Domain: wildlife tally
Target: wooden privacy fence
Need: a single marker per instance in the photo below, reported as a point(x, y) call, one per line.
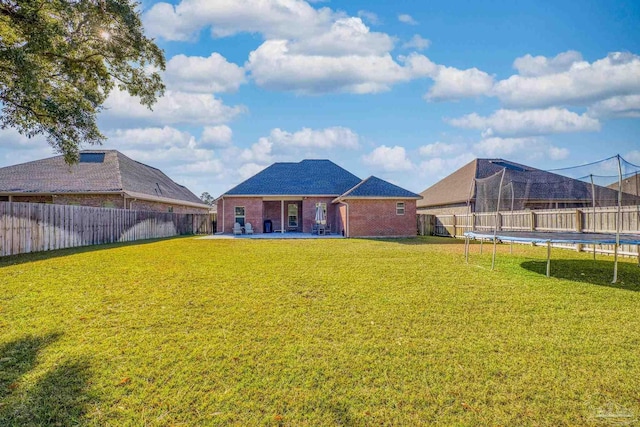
point(32, 227)
point(586, 220)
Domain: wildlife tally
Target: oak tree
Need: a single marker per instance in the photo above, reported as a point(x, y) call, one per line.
point(59, 60)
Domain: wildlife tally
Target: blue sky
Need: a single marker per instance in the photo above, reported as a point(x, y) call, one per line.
point(408, 90)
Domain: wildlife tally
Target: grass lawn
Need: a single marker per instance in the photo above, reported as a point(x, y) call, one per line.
point(317, 332)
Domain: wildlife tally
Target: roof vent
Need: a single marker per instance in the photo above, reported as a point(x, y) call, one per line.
point(91, 157)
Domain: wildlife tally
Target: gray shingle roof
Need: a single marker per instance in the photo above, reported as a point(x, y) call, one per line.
point(376, 187)
point(454, 188)
point(116, 173)
point(537, 184)
point(308, 177)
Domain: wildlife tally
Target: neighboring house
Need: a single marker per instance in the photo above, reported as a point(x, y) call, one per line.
point(524, 187)
point(630, 184)
point(288, 196)
point(102, 178)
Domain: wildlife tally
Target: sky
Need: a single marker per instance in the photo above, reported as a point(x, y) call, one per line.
point(407, 91)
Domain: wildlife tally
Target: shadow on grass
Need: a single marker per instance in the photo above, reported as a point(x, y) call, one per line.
point(59, 398)
point(45, 255)
point(588, 271)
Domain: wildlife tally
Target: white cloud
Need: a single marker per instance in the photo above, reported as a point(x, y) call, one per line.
point(557, 153)
point(324, 139)
point(583, 83)
point(174, 151)
point(388, 159)
point(348, 36)
point(439, 167)
point(407, 19)
point(273, 19)
point(173, 108)
point(369, 17)
point(16, 148)
point(498, 147)
point(275, 67)
point(260, 152)
point(528, 148)
point(417, 42)
point(438, 149)
point(452, 84)
point(533, 66)
point(154, 138)
point(216, 136)
point(528, 122)
point(11, 137)
point(248, 170)
point(205, 75)
point(618, 106)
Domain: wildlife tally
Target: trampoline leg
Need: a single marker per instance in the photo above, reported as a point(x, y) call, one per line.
point(549, 259)
point(615, 264)
point(493, 258)
point(511, 248)
point(481, 240)
point(638, 248)
point(466, 250)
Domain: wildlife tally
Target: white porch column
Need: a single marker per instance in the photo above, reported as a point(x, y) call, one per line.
point(281, 216)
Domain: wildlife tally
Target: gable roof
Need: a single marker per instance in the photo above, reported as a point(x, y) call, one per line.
point(308, 177)
point(110, 173)
point(374, 187)
point(453, 189)
point(540, 185)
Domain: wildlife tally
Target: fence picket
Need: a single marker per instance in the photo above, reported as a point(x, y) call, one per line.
point(34, 227)
point(602, 220)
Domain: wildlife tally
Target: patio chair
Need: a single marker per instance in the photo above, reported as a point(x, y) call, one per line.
point(237, 228)
point(248, 228)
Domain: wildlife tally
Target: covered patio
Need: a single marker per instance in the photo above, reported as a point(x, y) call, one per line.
point(293, 235)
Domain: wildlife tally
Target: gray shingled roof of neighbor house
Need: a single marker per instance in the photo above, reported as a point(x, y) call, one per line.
point(540, 185)
point(376, 187)
point(99, 171)
point(306, 178)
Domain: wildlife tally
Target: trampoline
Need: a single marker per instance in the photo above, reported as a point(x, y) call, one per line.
point(501, 186)
point(550, 238)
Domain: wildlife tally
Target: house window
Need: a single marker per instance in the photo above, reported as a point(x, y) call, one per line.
point(108, 204)
point(321, 213)
point(293, 215)
point(239, 215)
point(4, 198)
point(170, 208)
point(400, 208)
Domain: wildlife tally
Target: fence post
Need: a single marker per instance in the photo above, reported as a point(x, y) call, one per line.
point(533, 221)
point(455, 234)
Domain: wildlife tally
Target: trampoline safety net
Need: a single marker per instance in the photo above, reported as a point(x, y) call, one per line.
point(503, 187)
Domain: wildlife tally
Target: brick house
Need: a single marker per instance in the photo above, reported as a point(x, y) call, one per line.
point(102, 178)
point(288, 196)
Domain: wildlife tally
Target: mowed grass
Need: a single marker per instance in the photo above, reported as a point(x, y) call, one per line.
point(315, 333)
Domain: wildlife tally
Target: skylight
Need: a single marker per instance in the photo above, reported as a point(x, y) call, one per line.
point(91, 157)
point(508, 165)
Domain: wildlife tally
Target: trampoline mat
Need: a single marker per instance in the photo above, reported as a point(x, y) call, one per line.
point(556, 237)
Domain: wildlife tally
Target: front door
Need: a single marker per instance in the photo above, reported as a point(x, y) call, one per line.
point(292, 217)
